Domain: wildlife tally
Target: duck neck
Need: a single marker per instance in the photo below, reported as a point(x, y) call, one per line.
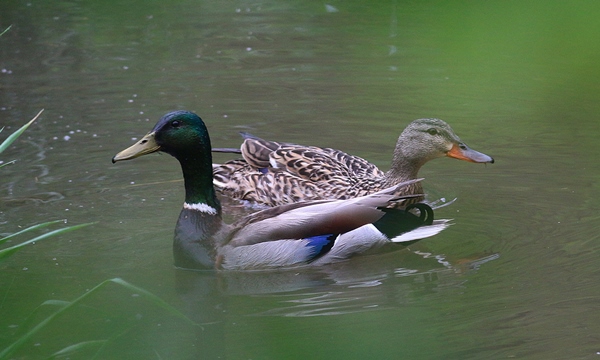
point(199, 190)
point(405, 166)
point(200, 219)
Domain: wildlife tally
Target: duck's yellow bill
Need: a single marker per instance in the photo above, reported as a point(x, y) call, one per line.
point(145, 146)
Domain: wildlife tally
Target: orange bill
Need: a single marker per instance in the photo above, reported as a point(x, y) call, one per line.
point(461, 151)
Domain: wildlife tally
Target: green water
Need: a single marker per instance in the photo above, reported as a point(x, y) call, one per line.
point(515, 277)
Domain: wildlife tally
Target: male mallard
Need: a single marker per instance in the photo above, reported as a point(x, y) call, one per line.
point(316, 232)
point(274, 173)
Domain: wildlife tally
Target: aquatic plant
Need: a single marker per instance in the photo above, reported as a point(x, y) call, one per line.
point(5, 30)
point(5, 253)
point(97, 345)
point(93, 345)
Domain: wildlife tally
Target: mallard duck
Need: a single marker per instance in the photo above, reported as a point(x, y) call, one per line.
point(275, 173)
point(312, 232)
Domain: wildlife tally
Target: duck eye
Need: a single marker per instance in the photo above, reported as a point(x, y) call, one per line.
point(175, 124)
point(432, 131)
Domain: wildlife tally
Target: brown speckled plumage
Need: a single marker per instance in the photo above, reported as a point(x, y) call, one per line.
point(274, 173)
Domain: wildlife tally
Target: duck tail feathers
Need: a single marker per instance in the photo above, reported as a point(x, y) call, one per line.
point(422, 232)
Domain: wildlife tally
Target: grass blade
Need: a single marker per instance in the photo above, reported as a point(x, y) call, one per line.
point(7, 352)
point(56, 302)
point(8, 163)
point(9, 140)
point(5, 30)
point(5, 253)
point(70, 350)
point(154, 299)
point(34, 227)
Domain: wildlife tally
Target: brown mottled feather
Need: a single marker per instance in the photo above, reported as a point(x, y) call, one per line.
point(274, 173)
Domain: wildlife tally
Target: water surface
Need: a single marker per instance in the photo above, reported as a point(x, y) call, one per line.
point(515, 277)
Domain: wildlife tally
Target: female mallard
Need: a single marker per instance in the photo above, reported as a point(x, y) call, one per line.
point(274, 173)
point(317, 232)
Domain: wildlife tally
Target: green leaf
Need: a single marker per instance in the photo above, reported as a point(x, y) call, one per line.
point(5, 253)
point(9, 140)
